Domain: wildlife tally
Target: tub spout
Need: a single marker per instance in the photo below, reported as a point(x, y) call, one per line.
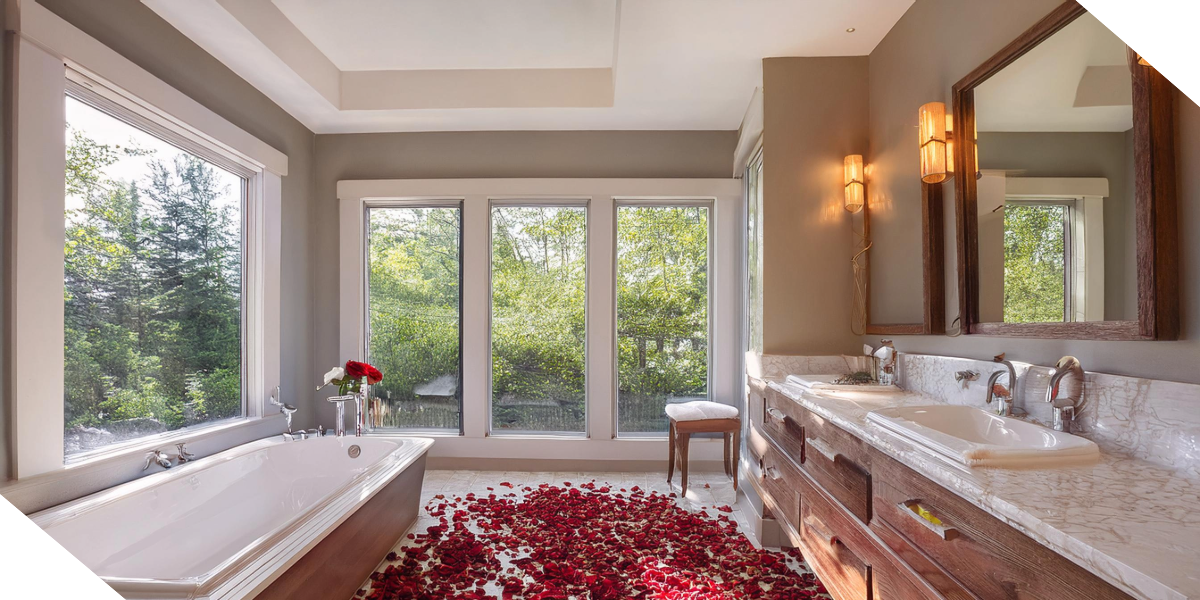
point(157, 456)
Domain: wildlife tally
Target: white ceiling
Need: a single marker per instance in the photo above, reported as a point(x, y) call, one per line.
point(1078, 80)
point(461, 65)
point(371, 35)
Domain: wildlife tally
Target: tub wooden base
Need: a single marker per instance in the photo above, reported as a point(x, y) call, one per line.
point(336, 567)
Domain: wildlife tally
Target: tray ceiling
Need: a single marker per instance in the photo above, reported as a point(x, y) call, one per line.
point(462, 65)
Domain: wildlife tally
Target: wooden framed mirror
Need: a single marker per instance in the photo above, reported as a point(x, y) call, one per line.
point(933, 269)
point(1066, 207)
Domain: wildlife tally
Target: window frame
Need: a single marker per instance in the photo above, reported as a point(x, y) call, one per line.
point(105, 100)
point(752, 280)
point(1084, 198)
point(476, 444)
point(50, 56)
point(365, 310)
point(710, 205)
point(1069, 217)
point(519, 201)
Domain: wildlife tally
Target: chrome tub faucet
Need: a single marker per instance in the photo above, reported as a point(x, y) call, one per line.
point(157, 456)
point(1064, 406)
point(286, 409)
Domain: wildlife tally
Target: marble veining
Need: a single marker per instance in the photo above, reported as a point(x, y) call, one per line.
point(1151, 420)
point(1130, 521)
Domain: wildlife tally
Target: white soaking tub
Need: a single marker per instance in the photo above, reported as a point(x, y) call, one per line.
point(232, 525)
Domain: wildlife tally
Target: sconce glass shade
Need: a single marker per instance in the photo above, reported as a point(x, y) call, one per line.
point(932, 131)
point(854, 183)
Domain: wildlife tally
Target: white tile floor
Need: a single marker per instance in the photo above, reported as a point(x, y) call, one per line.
point(706, 491)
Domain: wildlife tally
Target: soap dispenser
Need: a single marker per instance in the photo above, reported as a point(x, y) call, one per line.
point(886, 355)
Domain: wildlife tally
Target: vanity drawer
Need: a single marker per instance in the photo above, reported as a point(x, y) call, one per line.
point(844, 573)
point(781, 482)
point(986, 556)
point(783, 421)
point(756, 443)
point(839, 462)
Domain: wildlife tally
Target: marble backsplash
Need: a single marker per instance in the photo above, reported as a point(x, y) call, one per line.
point(1153, 420)
point(777, 366)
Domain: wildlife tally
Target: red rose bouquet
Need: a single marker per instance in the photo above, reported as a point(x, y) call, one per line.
point(352, 377)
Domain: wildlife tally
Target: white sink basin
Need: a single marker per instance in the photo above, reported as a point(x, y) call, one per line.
point(969, 437)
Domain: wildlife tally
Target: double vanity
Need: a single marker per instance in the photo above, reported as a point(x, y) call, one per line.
point(893, 495)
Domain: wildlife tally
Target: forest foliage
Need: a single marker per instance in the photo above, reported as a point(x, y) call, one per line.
point(538, 314)
point(1034, 263)
point(152, 293)
point(153, 303)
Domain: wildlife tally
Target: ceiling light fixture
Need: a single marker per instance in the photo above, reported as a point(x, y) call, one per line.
point(850, 30)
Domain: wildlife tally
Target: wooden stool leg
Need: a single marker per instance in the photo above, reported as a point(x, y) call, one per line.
point(737, 457)
point(725, 460)
point(684, 439)
point(671, 453)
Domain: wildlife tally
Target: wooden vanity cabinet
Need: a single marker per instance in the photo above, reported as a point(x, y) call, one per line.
point(839, 461)
point(781, 481)
point(783, 420)
point(872, 528)
point(967, 548)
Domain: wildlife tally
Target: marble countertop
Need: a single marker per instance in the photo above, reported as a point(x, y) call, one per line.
point(1131, 522)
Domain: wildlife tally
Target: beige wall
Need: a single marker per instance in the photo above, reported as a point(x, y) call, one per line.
point(915, 64)
point(491, 154)
point(133, 30)
point(815, 113)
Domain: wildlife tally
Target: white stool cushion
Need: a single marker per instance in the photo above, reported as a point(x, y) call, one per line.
point(701, 410)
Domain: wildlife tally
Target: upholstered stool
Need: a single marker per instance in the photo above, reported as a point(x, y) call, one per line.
point(703, 417)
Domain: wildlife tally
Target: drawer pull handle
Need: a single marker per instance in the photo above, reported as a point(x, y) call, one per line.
point(914, 510)
point(773, 473)
point(816, 527)
point(776, 414)
point(822, 448)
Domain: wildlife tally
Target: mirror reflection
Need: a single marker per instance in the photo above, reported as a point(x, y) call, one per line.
point(1056, 183)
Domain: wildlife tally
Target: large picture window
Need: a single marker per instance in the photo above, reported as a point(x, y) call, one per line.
point(414, 256)
point(662, 311)
point(539, 299)
point(153, 284)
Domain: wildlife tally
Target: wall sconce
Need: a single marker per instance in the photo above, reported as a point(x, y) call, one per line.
point(854, 180)
point(855, 194)
point(935, 140)
point(935, 131)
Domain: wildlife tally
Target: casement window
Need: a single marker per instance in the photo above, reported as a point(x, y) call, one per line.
point(144, 253)
point(754, 211)
point(414, 314)
point(539, 318)
point(153, 280)
point(663, 325)
point(1054, 263)
point(585, 307)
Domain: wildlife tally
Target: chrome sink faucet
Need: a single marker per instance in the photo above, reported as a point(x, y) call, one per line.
point(1004, 396)
point(1064, 407)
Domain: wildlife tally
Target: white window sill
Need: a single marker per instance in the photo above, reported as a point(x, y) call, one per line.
point(162, 441)
point(106, 467)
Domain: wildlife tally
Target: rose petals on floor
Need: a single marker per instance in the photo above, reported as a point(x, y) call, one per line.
point(583, 541)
